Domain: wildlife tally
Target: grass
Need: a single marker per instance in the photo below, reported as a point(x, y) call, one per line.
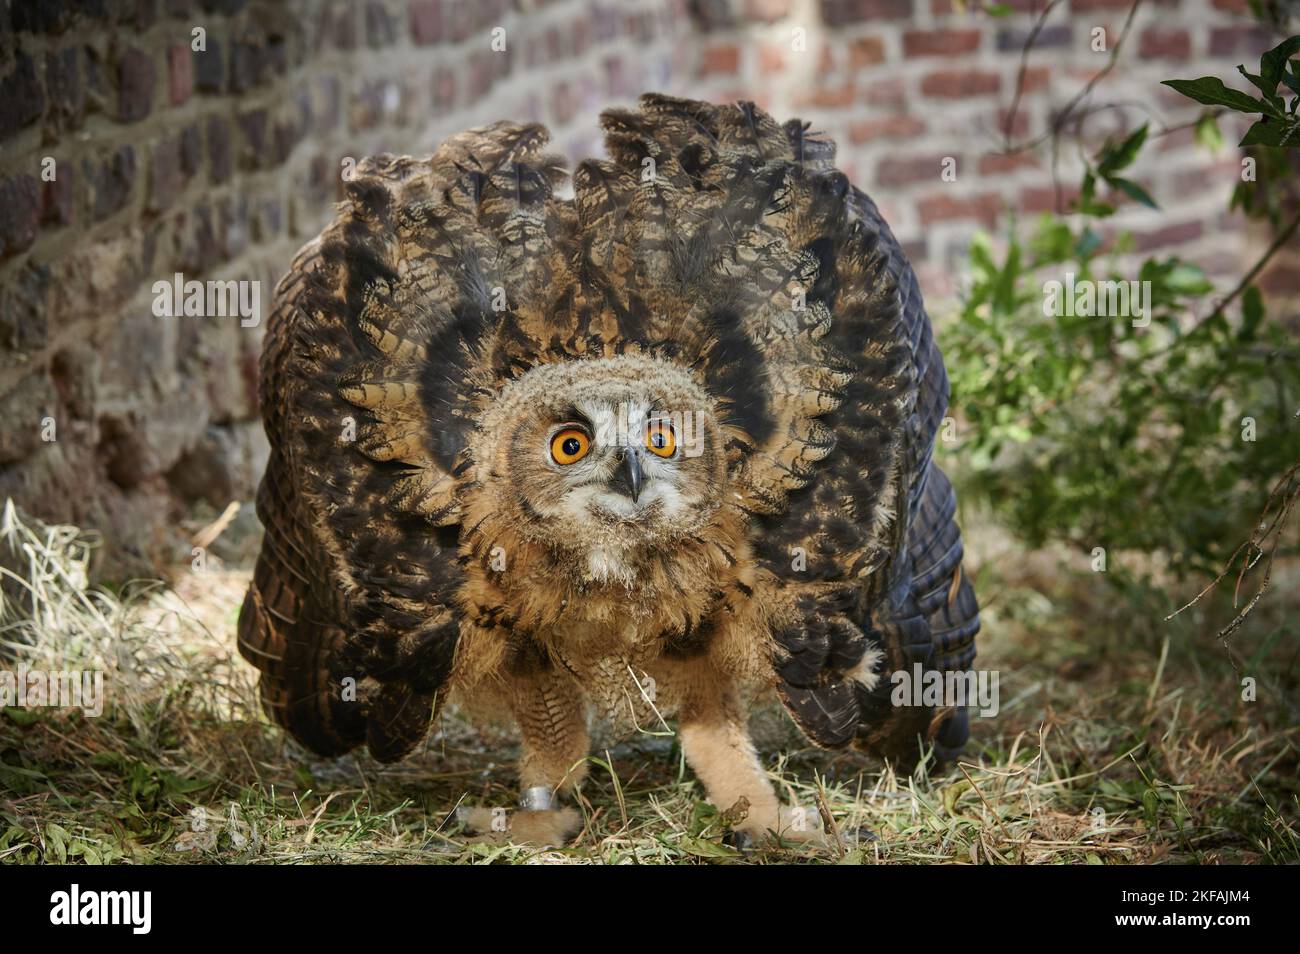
point(1121, 739)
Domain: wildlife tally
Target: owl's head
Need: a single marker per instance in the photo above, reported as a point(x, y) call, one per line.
point(604, 459)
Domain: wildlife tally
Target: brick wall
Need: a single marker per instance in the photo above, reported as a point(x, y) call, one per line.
point(902, 84)
point(218, 163)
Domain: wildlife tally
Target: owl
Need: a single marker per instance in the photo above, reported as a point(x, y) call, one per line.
point(649, 441)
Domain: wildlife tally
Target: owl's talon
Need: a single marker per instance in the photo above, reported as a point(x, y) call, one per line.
point(741, 840)
point(543, 828)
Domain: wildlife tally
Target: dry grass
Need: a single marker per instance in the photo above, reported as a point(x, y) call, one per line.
point(1121, 739)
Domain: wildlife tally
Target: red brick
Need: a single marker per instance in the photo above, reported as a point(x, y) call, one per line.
point(840, 12)
point(767, 11)
point(1169, 235)
point(901, 170)
point(940, 42)
point(960, 84)
point(180, 73)
point(887, 92)
point(1165, 44)
point(983, 208)
point(828, 97)
point(20, 213)
point(426, 22)
point(722, 58)
point(866, 51)
point(1037, 78)
point(890, 127)
point(1239, 41)
point(135, 84)
point(1014, 126)
point(771, 58)
point(1001, 163)
point(1043, 199)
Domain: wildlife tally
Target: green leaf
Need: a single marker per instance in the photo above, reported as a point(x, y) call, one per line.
point(1208, 134)
point(1133, 191)
point(702, 848)
point(1210, 91)
point(1273, 63)
point(1271, 132)
point(998, 9)
point(1258, 82)
point(1122, 156)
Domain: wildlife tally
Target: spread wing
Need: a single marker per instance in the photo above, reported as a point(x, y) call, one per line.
point(755, 246)
point(381, 331)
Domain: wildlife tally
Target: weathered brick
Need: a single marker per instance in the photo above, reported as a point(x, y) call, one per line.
point(1001, 163)
point(889, 127)
point(1240, 41)
point(1157, 43)
point(887, 92)
point(1012, 124)
point(345, 29)
point(59, 196)
point(24, 308)
point(1034, 199)
point(191, 149)
point(63, 82)
point(20, 213)
point(380, 29)
point(1177, 234)
point(940, 42)
point(51, 16)
point(1013, 39)
point(771, 58)
point(842, 12)
point(866, 51)
point(720, 58)
point(960, 83)
point(767, 11)
point(254, 127)
point(904, 170)
point(166, 177)
point(135, 85)
point(180, 73)
point(1036, 79)
point(839, 96)
point(21, 98)
point(943, 207)
point(220, 161)
point(426, 21)
point(328, 109)
point(112, 181)
point(209, 67)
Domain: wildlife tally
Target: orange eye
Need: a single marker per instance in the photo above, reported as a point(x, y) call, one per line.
point(660, 439)
point(569, 446)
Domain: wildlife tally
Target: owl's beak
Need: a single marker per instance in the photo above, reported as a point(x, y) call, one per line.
point(628, 476)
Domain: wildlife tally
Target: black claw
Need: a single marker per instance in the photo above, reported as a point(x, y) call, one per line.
point(742, 841)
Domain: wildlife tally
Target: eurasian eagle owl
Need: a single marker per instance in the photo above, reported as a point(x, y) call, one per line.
point(657, 450)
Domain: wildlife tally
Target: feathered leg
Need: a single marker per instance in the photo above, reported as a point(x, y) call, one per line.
point(551, 712)
point(715, 739)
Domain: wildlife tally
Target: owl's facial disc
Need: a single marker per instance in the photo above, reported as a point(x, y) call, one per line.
point(611, 455)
